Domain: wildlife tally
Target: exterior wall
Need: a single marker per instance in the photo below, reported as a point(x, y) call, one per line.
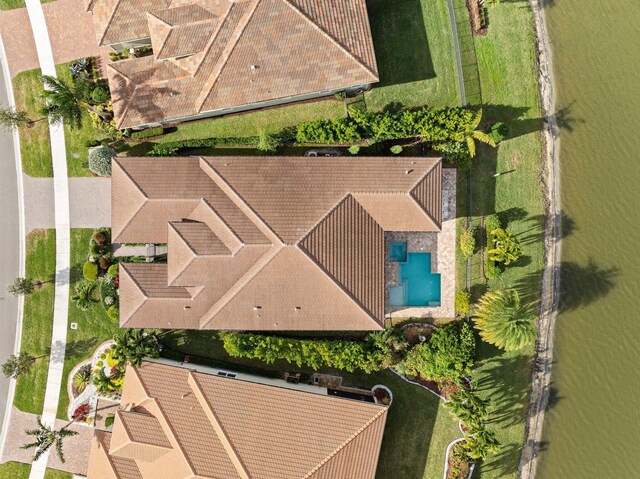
point(143, 42)
point(254, 106)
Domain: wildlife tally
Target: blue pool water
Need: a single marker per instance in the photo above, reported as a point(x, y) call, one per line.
point(417, 285)
point(398, 252)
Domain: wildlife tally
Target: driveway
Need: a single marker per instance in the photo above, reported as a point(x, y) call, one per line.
point(9, 247)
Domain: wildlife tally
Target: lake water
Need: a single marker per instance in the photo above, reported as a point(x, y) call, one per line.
point(592, 429)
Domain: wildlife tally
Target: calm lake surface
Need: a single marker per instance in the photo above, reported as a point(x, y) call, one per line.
point(592, 429)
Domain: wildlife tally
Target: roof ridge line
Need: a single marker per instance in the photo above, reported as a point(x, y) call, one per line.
point(324, 270)
point(263, 225)
point(108, 451)
point(217, 426)
point(120, 412)
point(243, 281)
point(345, 443)
point(330, 37)
point(244, 21)
point(233, 232)
point(412, 195)
point(113, 13)
point(166, 38)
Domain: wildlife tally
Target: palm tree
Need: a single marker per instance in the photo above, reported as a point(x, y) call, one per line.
point(504, 321)
point(21, 286)
point(506, 247)
point(107, 384)
point(84, 295)
point(473, 134)
point(11, 118)
point(47, 437)
point(479, 443)
point(16, 366)
point(133, 345)
point(65, 101)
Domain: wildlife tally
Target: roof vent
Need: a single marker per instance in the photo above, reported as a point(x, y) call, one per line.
point(254, 67)
point(257, 308)
point(407, 172)
point(186, 306)
point(297, 308)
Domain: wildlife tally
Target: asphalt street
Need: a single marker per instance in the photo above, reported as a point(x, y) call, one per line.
point(9, 247)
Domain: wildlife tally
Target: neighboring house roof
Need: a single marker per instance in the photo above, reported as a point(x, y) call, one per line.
point(218, 54)
point(176, 423)
point(287, 243)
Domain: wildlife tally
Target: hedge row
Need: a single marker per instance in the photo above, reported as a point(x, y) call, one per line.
point(340, 354)
point(147, 133)
point(173, 148)
point(432, 124)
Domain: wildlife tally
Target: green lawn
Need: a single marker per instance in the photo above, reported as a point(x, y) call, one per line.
point(94, 326)
point(414, 52)
point(76, 139)
point(38, 320)
point(17, 470)
point(35, 146)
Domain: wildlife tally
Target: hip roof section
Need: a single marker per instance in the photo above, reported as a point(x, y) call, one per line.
point(287, 243)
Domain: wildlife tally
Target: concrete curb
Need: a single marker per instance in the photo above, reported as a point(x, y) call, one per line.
point(22, 247)
point(446, 459)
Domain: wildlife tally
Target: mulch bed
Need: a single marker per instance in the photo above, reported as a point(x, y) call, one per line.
point(475, 17)
point(414, 331)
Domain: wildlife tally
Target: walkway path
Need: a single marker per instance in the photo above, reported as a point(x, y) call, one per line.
point(89, 202)
point(62, 217)
point(541, 376)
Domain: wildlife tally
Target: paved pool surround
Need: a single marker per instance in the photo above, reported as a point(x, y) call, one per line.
point(442, 247)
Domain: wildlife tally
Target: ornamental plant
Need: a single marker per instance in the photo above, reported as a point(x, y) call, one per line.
point(467, 243)
point(100, 160)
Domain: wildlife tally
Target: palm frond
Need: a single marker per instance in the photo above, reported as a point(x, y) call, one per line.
point(483, 137)
point(471, 145)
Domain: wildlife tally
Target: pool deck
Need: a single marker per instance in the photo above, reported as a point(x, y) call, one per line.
point(442, 247)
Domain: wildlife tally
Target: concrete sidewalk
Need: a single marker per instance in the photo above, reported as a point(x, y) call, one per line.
point(63, 237)
point(89, 202)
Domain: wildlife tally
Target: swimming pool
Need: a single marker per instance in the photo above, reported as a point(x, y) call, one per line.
point(417, 284)
point(398, 251)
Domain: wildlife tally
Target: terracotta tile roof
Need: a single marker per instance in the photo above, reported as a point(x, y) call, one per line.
point(222, 428)
point(212, 55)
point(287, 243)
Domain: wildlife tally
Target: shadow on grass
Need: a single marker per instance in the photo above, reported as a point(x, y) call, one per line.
point(400, 42)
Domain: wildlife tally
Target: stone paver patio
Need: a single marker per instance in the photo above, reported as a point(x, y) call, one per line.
point(76, 448)
point(442, 247)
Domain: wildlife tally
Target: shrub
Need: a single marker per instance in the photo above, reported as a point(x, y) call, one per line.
point(103, 356)
point(493, 271)
point(108, 421)
point(341, 130)
point(103, 262)
point(114, 313)
point(463, 302)
point(147, 133)
point(91, 143)
point(354, 149)
point(498, 132)
point(81, 379)
point(81, 412)
point(100, 160)
point(339, 354)
point(113, 269)
point(467, 243)
point(396, 149)
point(447, 356)
point(99, 95)
point(267, 143)
point(491, 222)
point(90, 271)
point(455, 153)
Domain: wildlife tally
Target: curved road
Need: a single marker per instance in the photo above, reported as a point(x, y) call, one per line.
point(9, 246)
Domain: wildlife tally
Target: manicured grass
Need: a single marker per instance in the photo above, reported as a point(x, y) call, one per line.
point(94, 326)
point(249, 124)
point(14, 470)
point(414, 52)
point(35, 146)
point(38, 320)
point(10, 5)
point(76, 139)
point(412, 430)
point(18, 470)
